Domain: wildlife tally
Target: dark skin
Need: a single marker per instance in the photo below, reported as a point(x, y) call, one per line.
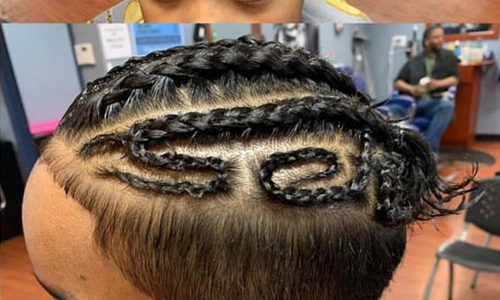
point(433, 44)
point(220, 11)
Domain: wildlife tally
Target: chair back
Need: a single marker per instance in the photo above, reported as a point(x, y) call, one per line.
point(486, 213)
point(359, 82)
point(450, 94)
point(403, 106)
point(385, 111)
point(404, 100)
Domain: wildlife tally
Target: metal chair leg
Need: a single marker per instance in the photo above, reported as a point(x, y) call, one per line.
point(428, 288)
point(450, 283)
point(476, 275)
point(474, 280)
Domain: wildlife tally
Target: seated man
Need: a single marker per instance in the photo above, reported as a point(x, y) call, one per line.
point(426, 77)
point(221, 171)
point(242, 11)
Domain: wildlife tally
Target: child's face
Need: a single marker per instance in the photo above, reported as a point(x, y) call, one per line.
point(217, 11)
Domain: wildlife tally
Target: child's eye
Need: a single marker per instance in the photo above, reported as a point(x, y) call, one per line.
point(169, 1)
point(253, 2)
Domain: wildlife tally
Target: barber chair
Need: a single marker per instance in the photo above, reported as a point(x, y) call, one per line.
point(400, 102)
point(485, 216)
point(359, 82)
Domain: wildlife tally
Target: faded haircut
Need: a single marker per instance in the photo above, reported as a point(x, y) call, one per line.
point(245, 170)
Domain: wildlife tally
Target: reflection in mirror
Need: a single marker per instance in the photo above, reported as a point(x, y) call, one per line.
point(469, 31)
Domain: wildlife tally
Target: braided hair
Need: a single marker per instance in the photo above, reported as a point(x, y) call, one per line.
point(151, 127)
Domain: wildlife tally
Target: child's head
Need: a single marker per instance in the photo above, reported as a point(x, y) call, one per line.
point(228, 170)
point(213, 11)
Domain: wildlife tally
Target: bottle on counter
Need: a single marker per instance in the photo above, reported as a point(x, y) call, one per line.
point(457, 49)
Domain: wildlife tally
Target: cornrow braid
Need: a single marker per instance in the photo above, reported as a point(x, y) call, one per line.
point(271, 116)
point(184, 65)
point(296, 196)
point(168, 187)
point(245, 55)
point(286, 116)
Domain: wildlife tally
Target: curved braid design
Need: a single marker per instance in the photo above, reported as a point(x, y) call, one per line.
point(281, 115)
point(401, 199)
point(302, 196)
point(296, 196)
point(178, 162)
point(195, 190)
point(173, 161)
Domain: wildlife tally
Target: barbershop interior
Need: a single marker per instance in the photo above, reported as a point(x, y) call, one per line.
point(44, 67)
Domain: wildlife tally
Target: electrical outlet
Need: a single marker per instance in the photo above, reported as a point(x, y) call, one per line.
point(399, 41)
point(84, 54)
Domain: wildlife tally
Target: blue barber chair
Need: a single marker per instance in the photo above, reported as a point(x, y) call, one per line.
point(359, 82)
point(401, 106)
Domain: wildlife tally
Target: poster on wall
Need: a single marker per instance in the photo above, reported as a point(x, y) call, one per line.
point(147, 38)
point(115, 41)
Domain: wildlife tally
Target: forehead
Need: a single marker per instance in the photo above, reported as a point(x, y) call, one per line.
point(436, 32)
point(59, 241)
point(57, 232)
point(53, 224)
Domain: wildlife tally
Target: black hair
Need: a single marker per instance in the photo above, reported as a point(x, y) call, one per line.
point(341, 239)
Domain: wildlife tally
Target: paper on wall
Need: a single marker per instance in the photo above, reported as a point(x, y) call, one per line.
point(115, 41)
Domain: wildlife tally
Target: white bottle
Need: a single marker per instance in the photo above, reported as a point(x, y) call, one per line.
point(465, 53)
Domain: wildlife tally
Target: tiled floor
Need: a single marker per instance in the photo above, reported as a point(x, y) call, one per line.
point(408, 284)
point(410, 279)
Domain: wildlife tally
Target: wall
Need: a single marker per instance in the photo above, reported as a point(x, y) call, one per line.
point(84, 33)
point(44, 67)
point(13, 121)
point(488, 122)
point(232, 31)
point(337, 47)
point(378, 46)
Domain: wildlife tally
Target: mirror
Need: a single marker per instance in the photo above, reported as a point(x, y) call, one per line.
point(469, 31)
